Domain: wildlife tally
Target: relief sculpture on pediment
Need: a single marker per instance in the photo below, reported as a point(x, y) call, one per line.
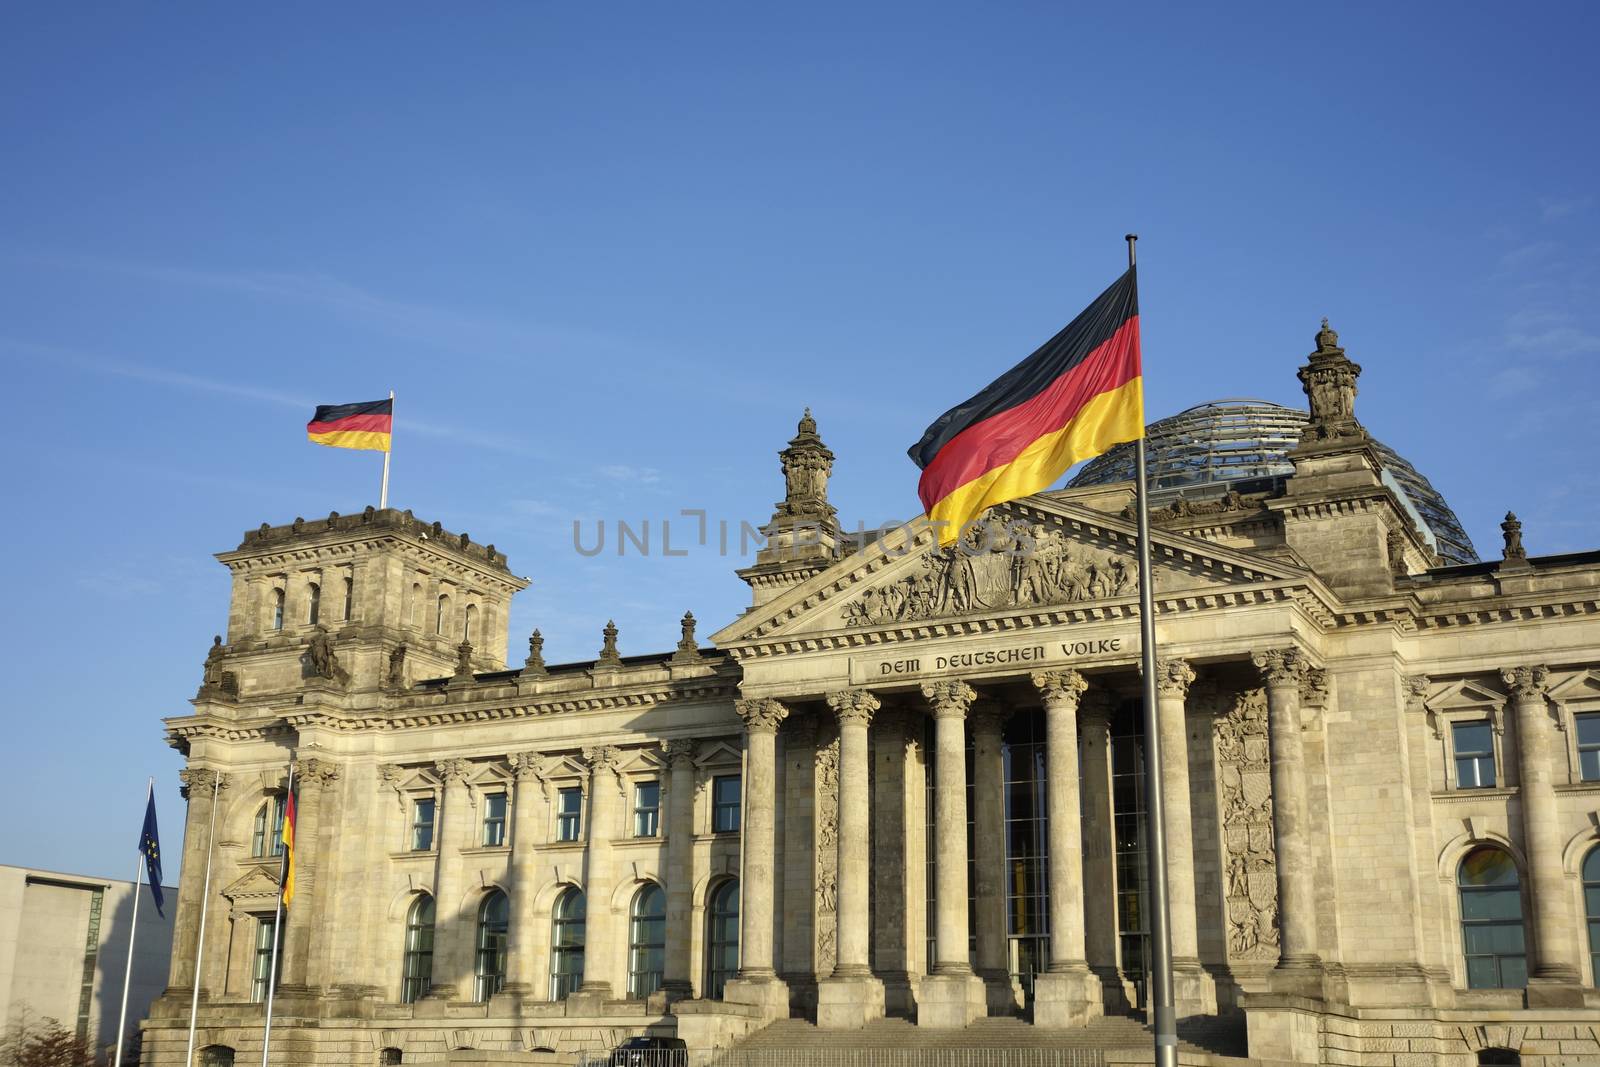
point(1244, 779)
point(995, 568)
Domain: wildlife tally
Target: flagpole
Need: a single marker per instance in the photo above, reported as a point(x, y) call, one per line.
point(205, 904)
point(277, 915)
point(1161, 1001)
point(133, 927)
point(383, 493)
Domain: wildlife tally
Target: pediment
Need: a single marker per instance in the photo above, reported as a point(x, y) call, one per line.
point(1037, 555)
point(1466, 694)
point(254, 886)
point(1581, 687)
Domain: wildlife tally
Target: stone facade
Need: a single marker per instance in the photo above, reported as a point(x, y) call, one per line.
point(1362, 751)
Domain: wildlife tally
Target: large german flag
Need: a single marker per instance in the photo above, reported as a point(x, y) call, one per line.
point(366, 425)
point(1078, 395)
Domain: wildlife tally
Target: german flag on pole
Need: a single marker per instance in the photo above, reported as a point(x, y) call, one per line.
point(1078, 395)
point(288, 848)
point(365, 426)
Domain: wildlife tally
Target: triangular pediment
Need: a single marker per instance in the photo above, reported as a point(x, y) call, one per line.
point(1038, 555)
point(259, 884)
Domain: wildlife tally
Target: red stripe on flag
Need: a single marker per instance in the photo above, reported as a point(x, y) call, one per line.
point(369, 423)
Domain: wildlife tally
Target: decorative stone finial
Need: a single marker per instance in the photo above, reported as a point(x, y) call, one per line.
point(1512, 529)
point(1329, 381)
point(808, 425)
point(1395, 541)
point(608, 650)
point(807, 464)
point(396, 678)
point(463, 663)
point(688, 647)
point(1327, 338)
point(535, 661)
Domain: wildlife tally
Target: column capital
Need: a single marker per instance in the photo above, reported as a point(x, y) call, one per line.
point(1417, 686)
point(202, 779)
point(451, 771)
point(1526, 683)
point(951, 698)
point(316, 771)
point(853, 705)
point(679, 750)
point(1060, 688)
point(761, 715)
point(527, 765)
point(1173, 677)
point(603, 758)
point(1280, 667)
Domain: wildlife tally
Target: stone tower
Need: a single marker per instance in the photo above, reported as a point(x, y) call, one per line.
point(803, 533)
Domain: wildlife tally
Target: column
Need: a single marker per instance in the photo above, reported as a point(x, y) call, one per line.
point(527, 807)
point(1099, 855)
point(201, 787)
point(1281, 669)
point(758, 981)
point(679, 754)
point(1068, 993)
point(852, 996)
point(894, 882)
point(1555, 935)
point(989, 854)
point(305, 944)
point(1194, 990)
point(601, 952)
point(453, 927)
point(952, 995)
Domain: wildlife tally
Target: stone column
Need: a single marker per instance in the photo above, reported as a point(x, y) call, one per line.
point(989, 858)
point(1553, 980)
point(952, 996)
point(202, 787)
point(679, 754)
point(526, 808)
point(306, 929)
point(852, 996)
point(758, 982)
point(1068, 993)
point(1099, 854)
point(453, 926)
point(1282, 669)
point(601, 950)
point(1194, 990)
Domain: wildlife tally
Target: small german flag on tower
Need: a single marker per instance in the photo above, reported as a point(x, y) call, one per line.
point(287, 836)
point(367, 426)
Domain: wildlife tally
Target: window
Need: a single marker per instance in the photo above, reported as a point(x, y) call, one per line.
point(470, 616)
point(722, 938)
point(569, 813)
point(725, 804)
point(416, 606)
point(314, 603)
point(1499, 1057)
point(442, 614)
point(647, 941)
point(266, 926)
point(422, 824)
point(417, 969)
point(1591, 909)
point(494, 820)
point(1588, 746)
point(1474, 742)
point(1491, 920)
point(266, 837)
point(493, 922)
point(277, 609)
point(646, 809)
point(389, 1056)
point(349, 598)
point(566, 944)
point(216, 1056)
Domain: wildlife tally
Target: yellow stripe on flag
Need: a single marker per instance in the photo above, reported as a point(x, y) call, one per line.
point(371, 440)
point(288, 855)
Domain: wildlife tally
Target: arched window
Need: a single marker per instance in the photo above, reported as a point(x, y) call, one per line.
point(1491, 920)
point(722, 937)
point(647, 941)
point(470, 617)
point(442, 614)
point(566, 943)
point(216, 1056)
point(277, 609)
point(314, 604)
point(349, 598)
point(493, 922)
point(417, 971)
point(266, 836)
point(1591, 909)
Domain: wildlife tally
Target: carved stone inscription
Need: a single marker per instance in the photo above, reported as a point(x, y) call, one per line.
point(1244, 787)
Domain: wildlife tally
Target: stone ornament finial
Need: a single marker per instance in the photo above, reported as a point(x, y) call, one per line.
point(609, 657)
point(395, 678)
point(807, 465)
point(534, 664)
point(762, 714)
point(1327, 338)
point(1512, 531)
point(1280, 667)
point(1174, 676)
point(854, 706)
point(452, 771)
point(679, 750)
point(950, 699)
point(1064, 687)
point(1329, 381)
point(688, 647)
point(463, 663)
point(1526, 683)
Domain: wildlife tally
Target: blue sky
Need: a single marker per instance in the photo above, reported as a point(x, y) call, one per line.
point(605, 253)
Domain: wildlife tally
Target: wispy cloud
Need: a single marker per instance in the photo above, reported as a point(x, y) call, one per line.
point(1532, 254)
point(622, 472)
point(1554, 209)
point(1549, 333)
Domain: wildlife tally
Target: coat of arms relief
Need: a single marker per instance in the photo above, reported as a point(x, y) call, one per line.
point(1244, 780)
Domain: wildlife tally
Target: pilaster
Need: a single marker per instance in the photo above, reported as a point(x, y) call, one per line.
point(1194, 990)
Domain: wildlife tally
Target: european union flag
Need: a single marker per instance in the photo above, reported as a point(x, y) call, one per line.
point(150, 845)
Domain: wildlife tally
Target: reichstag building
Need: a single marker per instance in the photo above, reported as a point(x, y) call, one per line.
point(906, 787)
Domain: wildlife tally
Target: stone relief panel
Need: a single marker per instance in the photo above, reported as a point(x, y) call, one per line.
point(827, 856)
point(1017, 567)
point(1244, 796)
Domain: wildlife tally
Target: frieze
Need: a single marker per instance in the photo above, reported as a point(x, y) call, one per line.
point(1017, 657)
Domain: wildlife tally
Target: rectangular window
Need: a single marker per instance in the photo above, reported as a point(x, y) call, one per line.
point(569, 814)
point(646, 809)
point(1589, 750)
point(1474, 742)
point(494, 820)
point(265, 926)
point(422, 825)
point(725, 804)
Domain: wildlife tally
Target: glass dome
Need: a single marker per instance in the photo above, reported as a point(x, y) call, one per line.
point(1245, 445)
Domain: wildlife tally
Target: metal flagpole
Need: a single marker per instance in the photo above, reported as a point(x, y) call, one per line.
point(1161, 1005)
point(127, 972)
point(205, 904)
point(277, 915)
point(383, 493)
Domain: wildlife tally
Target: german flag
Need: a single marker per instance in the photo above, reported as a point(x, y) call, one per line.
point(1075, 397)
point(288, 848)
point(366, 425)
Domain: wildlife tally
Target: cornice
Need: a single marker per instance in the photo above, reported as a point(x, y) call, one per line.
point(1449, 617)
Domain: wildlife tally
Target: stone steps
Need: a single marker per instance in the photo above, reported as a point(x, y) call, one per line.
point(1220, 1036)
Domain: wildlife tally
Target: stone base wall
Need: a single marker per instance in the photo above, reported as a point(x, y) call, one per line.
point(1542, 1042)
